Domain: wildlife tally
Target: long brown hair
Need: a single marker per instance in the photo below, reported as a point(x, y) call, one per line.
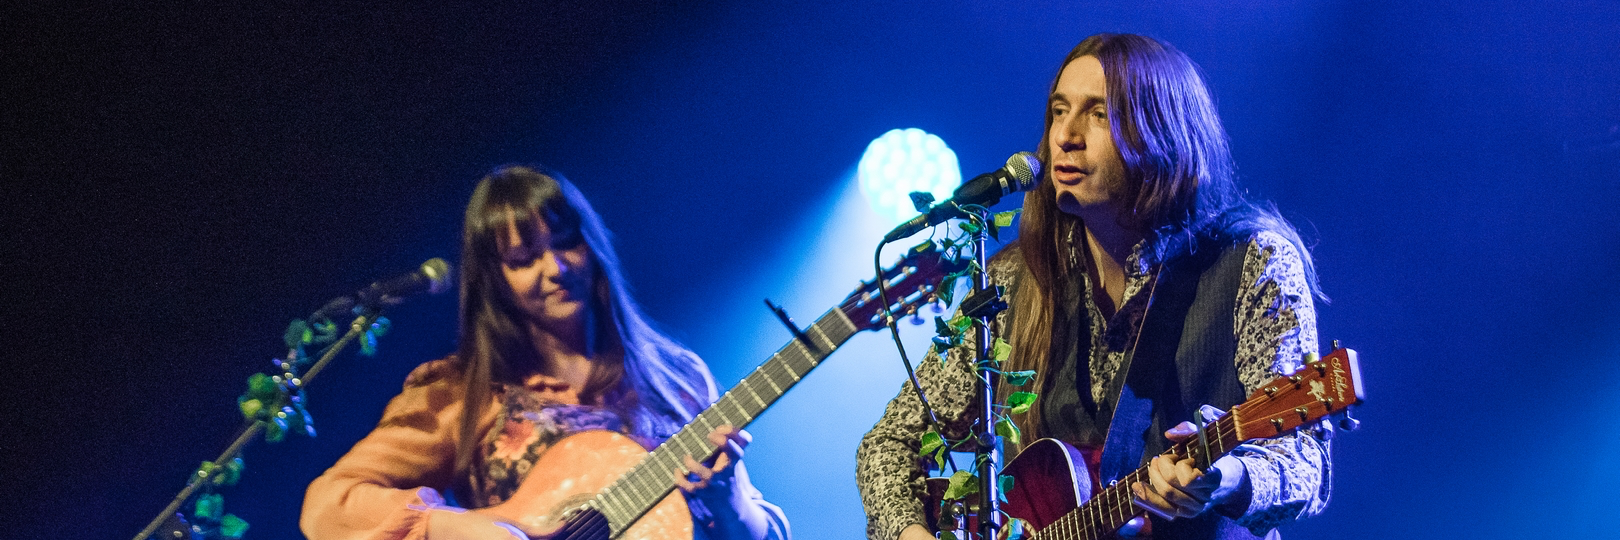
point(657, 384)
point(1179, 178)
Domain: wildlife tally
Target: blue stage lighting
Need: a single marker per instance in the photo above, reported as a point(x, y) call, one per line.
point(902, 161)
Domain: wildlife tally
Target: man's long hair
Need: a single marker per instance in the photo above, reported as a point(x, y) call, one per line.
point(654, 382)
point(1180, 181)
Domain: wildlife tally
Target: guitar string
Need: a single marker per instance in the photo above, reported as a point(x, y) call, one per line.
point(783, 367)
point(1094, 515)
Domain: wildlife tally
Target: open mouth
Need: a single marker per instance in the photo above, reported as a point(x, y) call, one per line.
point(1068, 174)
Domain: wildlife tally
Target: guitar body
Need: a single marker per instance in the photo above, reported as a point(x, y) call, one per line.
point(571, 472)
point(1050, 479)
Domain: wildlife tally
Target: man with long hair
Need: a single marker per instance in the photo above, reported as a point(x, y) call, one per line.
point(1138, 202)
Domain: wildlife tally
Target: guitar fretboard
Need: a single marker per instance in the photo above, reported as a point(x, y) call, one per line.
point(651, 480)
point(1113, 506)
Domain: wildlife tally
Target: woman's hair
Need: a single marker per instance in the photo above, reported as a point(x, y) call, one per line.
point(1179, 178)
point(654, 382)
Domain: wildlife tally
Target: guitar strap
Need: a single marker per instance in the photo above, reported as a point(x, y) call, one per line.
point(1146, 377)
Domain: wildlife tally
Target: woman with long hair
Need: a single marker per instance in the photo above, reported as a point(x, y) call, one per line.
point(551, 345)
point(1138, 206)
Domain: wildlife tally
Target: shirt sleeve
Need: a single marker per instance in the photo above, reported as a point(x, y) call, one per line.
point(1275, 326)
point(888, 469)
point(385, 486)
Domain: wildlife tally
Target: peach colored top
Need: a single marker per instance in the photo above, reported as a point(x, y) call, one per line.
point(375, 491)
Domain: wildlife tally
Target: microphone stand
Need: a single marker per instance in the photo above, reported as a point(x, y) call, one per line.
point(982, 305)
point(291, 383)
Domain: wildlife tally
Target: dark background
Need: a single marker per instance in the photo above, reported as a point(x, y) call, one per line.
point(181, 180)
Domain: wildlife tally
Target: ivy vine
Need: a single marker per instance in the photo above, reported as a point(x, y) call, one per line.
point(951, 333)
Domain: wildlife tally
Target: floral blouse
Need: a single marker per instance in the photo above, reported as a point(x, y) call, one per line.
point(1274, 322)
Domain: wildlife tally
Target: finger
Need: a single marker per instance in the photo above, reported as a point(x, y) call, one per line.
point(722, 461)
point(1150, 501)
point(1186, 479)
point(1182, 432)
point(741, 438)
point(721, 434)
point(683, 480)
point(1160, 473)
point(703, 473)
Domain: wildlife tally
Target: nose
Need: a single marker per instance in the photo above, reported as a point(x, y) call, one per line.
point(552, 266)
point(1070, 136)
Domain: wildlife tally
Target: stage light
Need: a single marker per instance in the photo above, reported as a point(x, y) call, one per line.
point(900, 162)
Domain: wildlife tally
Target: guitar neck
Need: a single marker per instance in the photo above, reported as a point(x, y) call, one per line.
point(649, 481)
point(1109, 509)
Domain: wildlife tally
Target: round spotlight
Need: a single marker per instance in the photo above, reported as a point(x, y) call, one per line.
point(902, 161)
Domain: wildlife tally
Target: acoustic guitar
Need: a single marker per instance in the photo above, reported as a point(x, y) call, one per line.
point(603, 485)
point(1056, 491)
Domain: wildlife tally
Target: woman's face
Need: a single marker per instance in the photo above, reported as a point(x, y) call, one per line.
point(551, 276)
point(1086, 169)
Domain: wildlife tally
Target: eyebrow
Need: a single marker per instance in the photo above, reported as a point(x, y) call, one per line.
point(1086, 100)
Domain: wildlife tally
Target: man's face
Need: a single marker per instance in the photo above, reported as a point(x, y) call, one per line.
point(1086, 169)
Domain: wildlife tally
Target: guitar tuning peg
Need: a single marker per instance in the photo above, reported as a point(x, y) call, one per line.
point(1347, 422)
point(916, 318)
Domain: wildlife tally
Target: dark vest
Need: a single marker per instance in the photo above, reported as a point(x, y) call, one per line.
point(1183, 359)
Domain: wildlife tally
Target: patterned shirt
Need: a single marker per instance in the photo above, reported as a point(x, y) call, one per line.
point(1274, 325)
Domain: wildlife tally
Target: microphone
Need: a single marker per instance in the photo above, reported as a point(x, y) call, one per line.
point(1020, 174)
point(432, 277)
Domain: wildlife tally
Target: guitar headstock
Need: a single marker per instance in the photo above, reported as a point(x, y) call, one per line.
point(912, 283)
point(1323, 387)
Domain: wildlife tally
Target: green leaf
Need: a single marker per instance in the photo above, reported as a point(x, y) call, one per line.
point(947, 535)
point(1005, 485)
point(275, 430)
point(1014, 529)
point(969, 227)
point(961, 324)
point(261, 386)
point(947, 289)
point(942, 328)
point(1020, 402)
point(963, 483)
point(232, 527)
point(250, 407)
point(1000, 350)
point(232, 473)
point(1005, 219)
point(298, 333)
point(1018, 378)
point(931, 441)
point(1005, 428)
point(205, 471)
point(208, 507)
